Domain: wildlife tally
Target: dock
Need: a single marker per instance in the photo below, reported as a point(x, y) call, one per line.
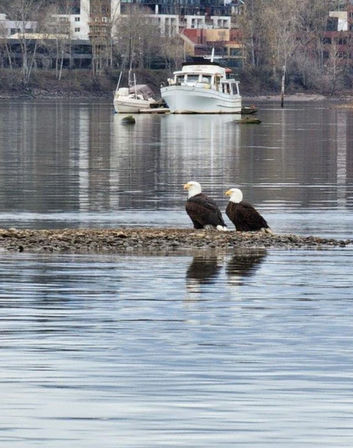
point(155, 110)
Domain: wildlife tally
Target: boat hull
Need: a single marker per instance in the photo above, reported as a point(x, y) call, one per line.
point(199, 100)
point(124, 104)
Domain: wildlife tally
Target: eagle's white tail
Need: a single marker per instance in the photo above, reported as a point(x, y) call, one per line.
point(221, 228)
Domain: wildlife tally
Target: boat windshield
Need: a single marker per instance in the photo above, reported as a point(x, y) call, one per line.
point(206, 79)
point(192, 78)
point(179, 79)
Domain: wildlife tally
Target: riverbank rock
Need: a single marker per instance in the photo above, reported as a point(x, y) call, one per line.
point(248, 120)
point(129, 119)
point(142, 240)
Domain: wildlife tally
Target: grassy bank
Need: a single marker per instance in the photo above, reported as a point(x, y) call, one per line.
point(81, 83)
point(77, 83)
point(73, 83)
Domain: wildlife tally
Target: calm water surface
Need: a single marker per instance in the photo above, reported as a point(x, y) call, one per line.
point(74, 165)
point(240, 349)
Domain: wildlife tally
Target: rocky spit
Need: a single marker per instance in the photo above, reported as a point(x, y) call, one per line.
point(144, 240)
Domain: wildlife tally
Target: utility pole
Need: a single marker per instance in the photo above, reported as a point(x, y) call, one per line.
point(282, 85)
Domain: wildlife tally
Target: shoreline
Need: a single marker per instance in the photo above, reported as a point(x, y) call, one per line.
point(297, 97)
point(147, 240)
point(344, 101)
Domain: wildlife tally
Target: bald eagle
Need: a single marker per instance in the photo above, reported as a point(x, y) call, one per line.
point(242, 214)
point(203, 211)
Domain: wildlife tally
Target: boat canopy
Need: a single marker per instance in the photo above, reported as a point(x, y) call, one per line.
point(142, 89)
point(207, 68)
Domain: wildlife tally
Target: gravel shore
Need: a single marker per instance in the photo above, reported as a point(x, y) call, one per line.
point(142, 240)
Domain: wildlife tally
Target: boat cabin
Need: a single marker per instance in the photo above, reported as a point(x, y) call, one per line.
point(207, 76)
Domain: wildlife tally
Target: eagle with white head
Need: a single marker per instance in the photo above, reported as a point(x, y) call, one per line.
point(243, 215)
point(202, 210)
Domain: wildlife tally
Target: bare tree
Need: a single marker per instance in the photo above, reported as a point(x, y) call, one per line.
point(172, 50)
point(24, 12)
point(5, 53)
point(58, 34)
point(137, 38)
point(335, 67)
point(284, 35)
point(282, 28)
point(281, 25)
point(252, 30)
point(312, 21)
point(100, 34)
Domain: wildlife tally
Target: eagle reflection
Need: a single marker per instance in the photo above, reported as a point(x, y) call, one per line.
point(244, 264)
point(203, 270)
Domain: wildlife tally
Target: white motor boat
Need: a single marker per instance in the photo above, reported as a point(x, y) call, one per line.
point(202, 87)
point(133, 99)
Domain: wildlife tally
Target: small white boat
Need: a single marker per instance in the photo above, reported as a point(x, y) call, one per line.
point(202, 87)
point(133, 99)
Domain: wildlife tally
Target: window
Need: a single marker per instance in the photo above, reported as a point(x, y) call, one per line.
point(77, 30)
point(206, 79)
point(332, 24)
point(234, 89)
point(234, 52)
point(192, 78)
point(77, 19)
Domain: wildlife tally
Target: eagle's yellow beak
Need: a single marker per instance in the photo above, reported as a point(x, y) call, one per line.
point(228, 193)
point(186, 186)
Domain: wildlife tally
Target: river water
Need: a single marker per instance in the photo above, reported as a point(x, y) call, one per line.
point(243, 349)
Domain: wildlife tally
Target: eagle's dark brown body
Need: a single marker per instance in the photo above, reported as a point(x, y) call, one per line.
point(245, 218)
point(203, 211)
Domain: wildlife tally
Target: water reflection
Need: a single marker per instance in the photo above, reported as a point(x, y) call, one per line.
point(79, 163)
point(244, 264)
point(205, 269)
point(94, 345)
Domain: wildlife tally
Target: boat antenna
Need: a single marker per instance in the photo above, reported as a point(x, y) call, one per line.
point(119, 80)
point(121, 74)
point(135, 85)
point(129, 82)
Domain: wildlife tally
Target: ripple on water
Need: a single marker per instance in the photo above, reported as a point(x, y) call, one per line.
point(177, 351)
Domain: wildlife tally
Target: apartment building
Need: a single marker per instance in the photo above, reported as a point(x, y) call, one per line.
point(90, 23)
point(9, 28)
point(169, 15)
